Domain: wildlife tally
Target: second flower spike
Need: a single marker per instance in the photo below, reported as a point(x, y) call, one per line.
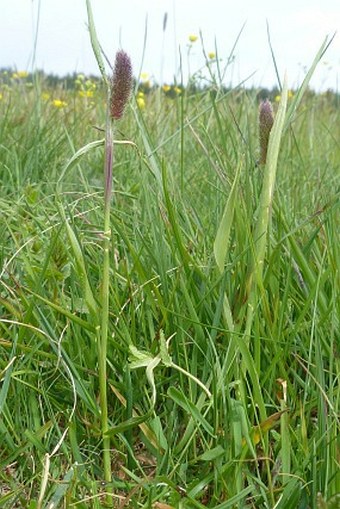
point(266, 120)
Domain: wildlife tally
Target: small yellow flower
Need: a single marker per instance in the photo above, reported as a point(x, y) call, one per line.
point(166, 88)
point(193, 38)
point(290, 94)
point(19, 75)
point(85, 93)
point(144, 76)
point(58, 103)
point(45, 96)
point(212, 55)
point(177, 90)
point(141, 103)
point(141, 94)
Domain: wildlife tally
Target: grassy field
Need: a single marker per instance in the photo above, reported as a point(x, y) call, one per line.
point(223, 334)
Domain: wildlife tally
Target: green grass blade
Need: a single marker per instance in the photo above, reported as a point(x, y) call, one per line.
point(82, 271)
point(221, 244)
point(302, 89)
point(61, 490)
point(192, 410)
point(95, 43)
point(264, 211)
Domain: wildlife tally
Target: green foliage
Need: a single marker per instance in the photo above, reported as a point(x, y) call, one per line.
point(211, 403)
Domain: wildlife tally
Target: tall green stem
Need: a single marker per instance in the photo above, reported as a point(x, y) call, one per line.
point(119, 87)
point(104, 329)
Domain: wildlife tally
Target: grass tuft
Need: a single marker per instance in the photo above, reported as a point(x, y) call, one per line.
point(222, 292)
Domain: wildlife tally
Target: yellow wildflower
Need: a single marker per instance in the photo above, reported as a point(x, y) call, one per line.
point(177, 90)
point(144, 76)
point(58, 103)
point(141, 103)
point(45, 96)
point(290, 94)
point(19, 75)
point(166, 88)
point(85, 93)
point(212, 55)
point(141, 94)
point(193, 38)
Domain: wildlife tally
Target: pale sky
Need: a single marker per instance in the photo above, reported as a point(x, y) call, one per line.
point(297, 27)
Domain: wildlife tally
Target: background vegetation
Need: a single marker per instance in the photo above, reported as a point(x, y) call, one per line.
point(200, 415)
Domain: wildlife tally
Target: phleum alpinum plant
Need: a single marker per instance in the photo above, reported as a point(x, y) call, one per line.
point(119, 87)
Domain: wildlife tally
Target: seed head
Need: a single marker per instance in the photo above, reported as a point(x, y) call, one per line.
point(266, 120)
point(121, 84)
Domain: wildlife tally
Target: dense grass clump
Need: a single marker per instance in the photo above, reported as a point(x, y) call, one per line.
point(223, 349)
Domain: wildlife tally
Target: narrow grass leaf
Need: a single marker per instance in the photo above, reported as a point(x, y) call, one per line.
point(65, 312)
point(264, 211)
point(273, 57)
point(61, 489)
point(298, 96)
point(180, 399)
point(221, 244)
point(149, 433)
point(7, 378)
point(231, 503)
point(95, 43)
point(212, 454)
point(81, 266)
point(78, 155)
point(128, 424)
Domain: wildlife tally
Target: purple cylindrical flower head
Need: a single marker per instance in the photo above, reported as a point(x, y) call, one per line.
point(121, 84)
point(266, 120)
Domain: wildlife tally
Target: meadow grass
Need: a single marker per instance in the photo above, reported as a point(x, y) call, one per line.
point(223, 349)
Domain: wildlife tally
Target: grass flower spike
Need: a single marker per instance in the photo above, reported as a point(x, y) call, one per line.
point(266, 120)
point(121, 84)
